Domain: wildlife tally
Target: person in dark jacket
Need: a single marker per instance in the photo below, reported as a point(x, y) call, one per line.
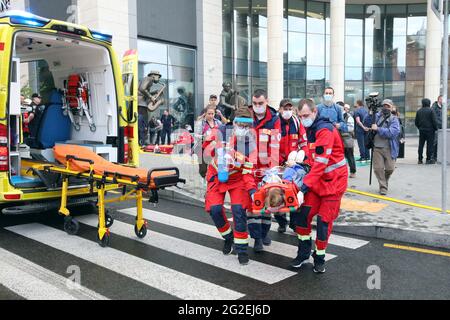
point(427, 124)
point(437, 108)
point(168, 122)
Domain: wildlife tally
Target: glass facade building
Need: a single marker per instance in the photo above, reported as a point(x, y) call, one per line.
point(177, 66)
point(384, 53)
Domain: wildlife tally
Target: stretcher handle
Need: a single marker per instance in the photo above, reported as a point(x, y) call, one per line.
point(119, 175)
point(68, 158)
point(149, 175)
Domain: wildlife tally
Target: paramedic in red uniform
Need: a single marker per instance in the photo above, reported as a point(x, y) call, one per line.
point(293, 138)
point(240, 184)
point(324, 186)
point(267, 126)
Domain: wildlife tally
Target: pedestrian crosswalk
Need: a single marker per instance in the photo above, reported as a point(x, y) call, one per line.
point(32, 281)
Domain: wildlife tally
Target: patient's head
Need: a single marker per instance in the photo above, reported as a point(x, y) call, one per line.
point(274, 198)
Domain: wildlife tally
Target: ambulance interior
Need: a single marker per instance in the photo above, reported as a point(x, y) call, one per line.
point(86, 115)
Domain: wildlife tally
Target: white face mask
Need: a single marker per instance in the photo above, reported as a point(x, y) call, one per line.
point(287, 114)
point(308, 122)
point(259, 110)
point(241, 132)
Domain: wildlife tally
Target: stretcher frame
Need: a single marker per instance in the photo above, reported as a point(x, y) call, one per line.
point(121, 181)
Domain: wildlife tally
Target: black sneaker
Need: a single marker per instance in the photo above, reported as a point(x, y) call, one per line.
point(228, 247)
point(258, 247)
point(299, 261)
point(319, 268)
point(319, 263)
point(267, 241)
point(243, 258)
point(420, 162)
point(282, 229)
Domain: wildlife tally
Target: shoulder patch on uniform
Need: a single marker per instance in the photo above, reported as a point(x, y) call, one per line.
point(320, 150)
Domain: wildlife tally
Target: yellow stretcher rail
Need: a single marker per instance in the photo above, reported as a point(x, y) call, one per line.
point(105, 221)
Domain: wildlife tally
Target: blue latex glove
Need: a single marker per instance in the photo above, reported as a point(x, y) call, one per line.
point(304, 189)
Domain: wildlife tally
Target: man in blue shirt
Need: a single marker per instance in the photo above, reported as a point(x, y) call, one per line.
point(361, 130)
point(329, 110)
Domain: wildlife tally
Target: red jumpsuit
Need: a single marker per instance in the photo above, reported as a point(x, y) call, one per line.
point(268, 136)
point(240, 184)
point(327, 183)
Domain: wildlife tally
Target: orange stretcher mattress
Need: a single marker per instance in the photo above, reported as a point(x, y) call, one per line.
point(103, 166)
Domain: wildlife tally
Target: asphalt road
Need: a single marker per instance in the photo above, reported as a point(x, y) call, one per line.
point(181, 259)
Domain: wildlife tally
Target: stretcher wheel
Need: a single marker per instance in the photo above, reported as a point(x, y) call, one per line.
point(141, 234)
point(109, 220)
point(93, 127)
point(77, 127)
point(105, 241)
point(71, 226)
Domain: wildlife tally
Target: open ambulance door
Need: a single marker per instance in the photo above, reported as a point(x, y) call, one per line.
point(129, 114)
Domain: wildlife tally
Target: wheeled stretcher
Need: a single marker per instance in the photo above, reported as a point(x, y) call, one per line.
point(82, 163)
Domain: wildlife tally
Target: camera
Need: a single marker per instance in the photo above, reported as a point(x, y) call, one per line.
point(373, 103)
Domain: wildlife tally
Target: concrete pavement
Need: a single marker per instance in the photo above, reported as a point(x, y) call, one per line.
point(360, 214)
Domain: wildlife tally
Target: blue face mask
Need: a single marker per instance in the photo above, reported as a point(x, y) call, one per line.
point(307, 123)
point(328, 98)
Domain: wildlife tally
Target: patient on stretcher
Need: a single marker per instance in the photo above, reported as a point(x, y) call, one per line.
point(280, 186)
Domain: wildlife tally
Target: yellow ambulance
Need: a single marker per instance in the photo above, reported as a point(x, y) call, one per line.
point(82, 97)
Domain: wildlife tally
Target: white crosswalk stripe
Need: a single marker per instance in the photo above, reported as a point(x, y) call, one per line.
point(345, 242)
point(151, 274)
point(33, 282)
point(255, 270)
point(276, 247)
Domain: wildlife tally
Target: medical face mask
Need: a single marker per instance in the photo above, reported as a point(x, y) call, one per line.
point(259, 109)
point(287, 114)
point(308, 122)
point(328, 98)
point(241, 132)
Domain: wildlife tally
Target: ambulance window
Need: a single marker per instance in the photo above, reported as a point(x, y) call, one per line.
point(36, 77)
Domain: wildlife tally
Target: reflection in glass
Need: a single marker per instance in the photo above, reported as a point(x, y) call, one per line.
point(353, 92)
point(296, 89)
point(259, 13)
point(353, 73)
point(396, 20)
point(315, 73)
point(417, 19)
point(242, 29)
point(315, 89)
point(181, 57)
point(296, 45)
point(152, 52)
point(316, 50)
point(316, 17)
point(226, 27)
point(396, 51)
point(415, 51)
point(354, 21)
point(354, 51)
point(296, 16)
point(181, 95)
point(259, 44)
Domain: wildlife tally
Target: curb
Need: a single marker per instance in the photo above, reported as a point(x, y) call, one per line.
point(372, 231)
point(436, 240)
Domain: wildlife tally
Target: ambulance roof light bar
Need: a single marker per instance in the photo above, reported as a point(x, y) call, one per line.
point(101, 35)
point(25, 18)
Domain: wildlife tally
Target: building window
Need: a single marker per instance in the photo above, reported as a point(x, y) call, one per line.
point(177, 67)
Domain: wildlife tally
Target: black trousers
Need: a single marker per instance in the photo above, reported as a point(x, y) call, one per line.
point(349, 155)
point(165, 133)
point(435, 149)
point(426, 136)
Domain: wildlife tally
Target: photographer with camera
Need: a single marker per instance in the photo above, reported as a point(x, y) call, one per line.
point(383, 140)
